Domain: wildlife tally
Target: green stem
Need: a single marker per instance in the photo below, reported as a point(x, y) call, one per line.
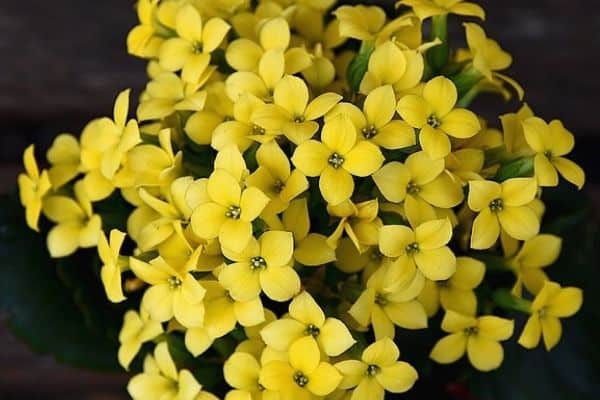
point(504, 299)
point(439, 55)
point(466, 80)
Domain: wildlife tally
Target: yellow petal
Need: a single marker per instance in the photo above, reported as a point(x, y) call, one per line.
point(188, 23)
point(461, 123)
point(335, 337)
point(363, 160)
point(536, 133)
point(242, 283)
point(306, 310)
point(276, 247)
point(280, 283)
point(459, 300)
point(324, 379)
point(469, 273)
point(291, 93)
point(468, 9)
point(187, 314)
point(456, 322)
point(241, 371)
point(566, 303)
point(434, 142)
point(280, 334)
point(408, 315)
point(252, 203)
point(540, 251)
point(545, 172)
point(443, 192)
point(276, 375)
point(339, 134)
point(397, 378)
point(271, 67)
point(382, 353)
point(392, 180)
point(362, 309)
point(305, 355)
point(486, 230)
point(194, 67)
point(321, 105)
point(388, 63)
point(449, 348)
point(369, 389)
point(243, 54)
point(63, 239)
point(532, 333)
point(313, 250)
point(353, 372)
point(311, 157)
point(393, 239)
point(414, 110)
point(275, 34)
point(436, 264)
point(423, 168)
point(570, 171)
point(336, 185)
point(197, 340)
point(495, 328)
point(380, 106)
point(441, 94)
point(158, 301)
point(213, 34)
point(482, 193)
point(395, 135)
point(174, 53)
point(207, 220)
point(551, 331)
point(484, 354)
point(433, 234)
point(235, 234)
point(518, 191)
point(519, 222)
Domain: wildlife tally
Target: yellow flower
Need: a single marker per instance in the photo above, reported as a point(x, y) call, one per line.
point(431, 8)
point(378, 371)
point(263, 265)
point(478, 337)
point(242, 371)
point(137, 329)
point(271, 68)
point(389, 299)
point(33, 186)
point(456, 293)
point(376, 123)
point(221, 315)
point(425, 246)
point(551, 304)
point(77, 225)
point(174, 292)
point(218, 108)
point(229, 213)
point(275, 178)
point(392, 64)
point(514, 136)
point(142, 40)
point(465, 165)
point(291, 113)
point(64, 158)
point(338, 157)
point(536, 254)
point(502, 205)
point(551, 142)
point(421, 183)
point(434, 113)
point(303, 376)
point(360, 222)
point(306, 319)
point(488, 57)
point(161, 380)
point(360, 22)
point(190, 51)
point(166, 94)
point(112, 263)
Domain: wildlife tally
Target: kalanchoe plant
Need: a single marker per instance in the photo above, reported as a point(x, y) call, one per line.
point(304, 184)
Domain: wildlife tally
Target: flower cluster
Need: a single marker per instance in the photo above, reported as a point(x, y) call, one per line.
point(304, 180)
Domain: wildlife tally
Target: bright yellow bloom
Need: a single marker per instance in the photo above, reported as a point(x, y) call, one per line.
point(190, 51)
point(421, 184)
point(392, 64)
point(142, 40)
point(33, 186)
point(425, 246)
point(360, 222)
point(291, 113)
point(431, 8)
point(503, 206)
point(112, 263)
point(218, 108)
point(303, 376)
point(161, 380)
point(242, 371)
point(137, 329)
point(306, 319)
point(378, 371)
point(488, 57)
point(456, 293)
point(551, 142)
point(478, 337)
point(336, 158)
point(465, 165)
point(536, 254)
point(64, 157)
point(360, 22)
point(221, 314)
point(166, 94)
point(174, 292)
point(229, 213)
point(376, 123)
point(434, 113)
point(514, 136)
point(275, 178)
point(551, 304)
point(76, 224)
point(264, 265)
point(271, 68)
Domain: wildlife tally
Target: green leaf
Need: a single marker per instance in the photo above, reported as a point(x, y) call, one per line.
point(522, 167)
point(359, 65)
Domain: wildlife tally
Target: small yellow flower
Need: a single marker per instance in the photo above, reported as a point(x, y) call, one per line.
point(360, 22)
point(514, 135)
point(338, 157)
point(218, 108)
point(142, 40)
point(431, 8)
point(190, 52)
point(242, 371)
point(503, 206)
point(304, 375)
point(550, 305)
point(478, 337)
point(456, 293)
point(161, 380)
point(174, 292)
point(378, 371)
point(434, 113)
point(64, 157)
point(306, 319)
point(465, 165)
point(425, 246)
point(137, 329)
point(33, 186)
point(271, 68)
point(108, 250)
point(360, 222)
point(536, 254)
point(551, 142)
point(263, 265)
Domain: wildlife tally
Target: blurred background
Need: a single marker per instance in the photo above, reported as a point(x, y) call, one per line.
point(64, 61)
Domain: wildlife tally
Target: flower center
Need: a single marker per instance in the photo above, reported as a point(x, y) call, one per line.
point(336, 160)
point(233, 212)
point(258, 130)
point(433, 121)
point(542, 312)
point(278, 186)
point(258, 263)
point(197, 47)
point(496, 205)
point(471, 331)
point(412, 248)
point(372, 370)
point(312, 330)
point(369, 131)
point(299, 119)
point(548, 154)
point(300, 379)
point(380, 299)
point(376, 255)
point(174, 282)
point(412, 188)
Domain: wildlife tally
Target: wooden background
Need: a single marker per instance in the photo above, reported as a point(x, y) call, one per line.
point(63, 61)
